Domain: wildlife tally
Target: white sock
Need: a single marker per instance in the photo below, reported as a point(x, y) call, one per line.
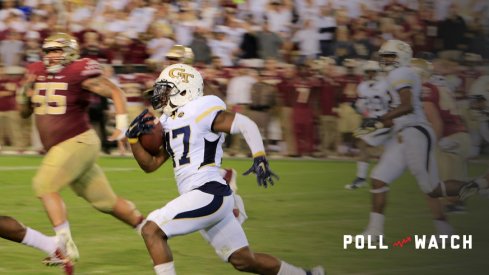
point(362, 169)
point(139, 227)
point(63, 228)
point(376, 223)
point(165, 269)
point(443, 227)
point(288, 269)
point(40, 241)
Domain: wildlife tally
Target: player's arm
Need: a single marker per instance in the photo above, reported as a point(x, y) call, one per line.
point(106, 88)
point(405, 107)
point(146, 161)
point(25, 94)
point(236, 123)
point(434, 118)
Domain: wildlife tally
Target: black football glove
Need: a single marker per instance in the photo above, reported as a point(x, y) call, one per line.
point(139, 126)
point(261, 169)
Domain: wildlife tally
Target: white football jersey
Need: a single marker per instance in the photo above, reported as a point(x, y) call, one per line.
point(401, 78)
point(196, 150)
point(373, 97)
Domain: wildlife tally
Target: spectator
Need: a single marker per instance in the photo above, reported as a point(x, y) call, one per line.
point(343, 46)
point(32, 50)
point(307, 41)
point(249, 43)
point(303, 116)
point(263, 101)
point(160, 43)
point(453, 31)
point(279, 16)
point(90, 47)
point(185, 24)
point(10, 131)
point(348, 118)
point(327, 29)
point(286, 100)
point(11, 49)
point(328, 103)
point(200, 47)
point(221, 46)
point(238, 98)
point(362, 47)
point(269, 43)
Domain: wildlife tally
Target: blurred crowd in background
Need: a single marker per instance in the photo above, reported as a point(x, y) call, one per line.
point(293, 66)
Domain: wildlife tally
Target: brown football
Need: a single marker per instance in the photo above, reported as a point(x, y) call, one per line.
point(154, 140)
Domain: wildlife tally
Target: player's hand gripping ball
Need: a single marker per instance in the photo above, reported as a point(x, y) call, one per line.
point(146, 129)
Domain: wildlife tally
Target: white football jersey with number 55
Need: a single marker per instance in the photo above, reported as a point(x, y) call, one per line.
point(195, 149)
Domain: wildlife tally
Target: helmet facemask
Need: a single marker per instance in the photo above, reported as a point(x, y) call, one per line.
point(388, 61)
point(394, 54)
point(163, 91)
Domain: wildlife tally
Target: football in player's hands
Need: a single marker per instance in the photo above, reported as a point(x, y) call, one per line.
point(153, 140)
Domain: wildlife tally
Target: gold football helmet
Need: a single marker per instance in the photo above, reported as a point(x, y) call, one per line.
point(180, 54)
point(423, 67)
point(67, 44)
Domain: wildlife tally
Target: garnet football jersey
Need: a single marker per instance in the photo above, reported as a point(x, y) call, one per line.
point(446, 106)
point(59, 101)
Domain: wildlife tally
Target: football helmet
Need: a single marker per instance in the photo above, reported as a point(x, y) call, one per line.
point(394, 53)
point(181, 54)
point(371, 66)
point(177, 85)
point(423, 67)
point(62, 41)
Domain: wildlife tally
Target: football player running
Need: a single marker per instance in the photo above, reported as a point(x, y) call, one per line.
point(373, 101)
point(413, 141)
point(185, 55)
point(453, 147)
point(11, 229)
point(195, 127)
point(56, 90)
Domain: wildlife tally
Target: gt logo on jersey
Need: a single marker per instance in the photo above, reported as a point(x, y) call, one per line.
point(177, 72)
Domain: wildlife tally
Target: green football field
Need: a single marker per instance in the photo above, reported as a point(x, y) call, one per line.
point(302, 219)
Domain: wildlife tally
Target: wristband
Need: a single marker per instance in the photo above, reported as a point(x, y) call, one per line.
point(132, 140)
point(121, 121)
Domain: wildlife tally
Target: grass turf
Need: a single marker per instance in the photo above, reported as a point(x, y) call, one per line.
point(302, 219)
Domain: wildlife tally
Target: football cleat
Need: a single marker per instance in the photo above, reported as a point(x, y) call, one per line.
point(317, 270)
point(69, 246)
point(357, 183)
point(58, 258)
point(456, 208)
point(468, 190)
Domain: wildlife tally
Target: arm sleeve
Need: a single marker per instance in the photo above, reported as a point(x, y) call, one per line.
point(242, 124)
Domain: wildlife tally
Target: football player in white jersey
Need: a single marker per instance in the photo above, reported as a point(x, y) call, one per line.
point(181, 54)
point(194, 128)
point(413, 141)
point(373, 101)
